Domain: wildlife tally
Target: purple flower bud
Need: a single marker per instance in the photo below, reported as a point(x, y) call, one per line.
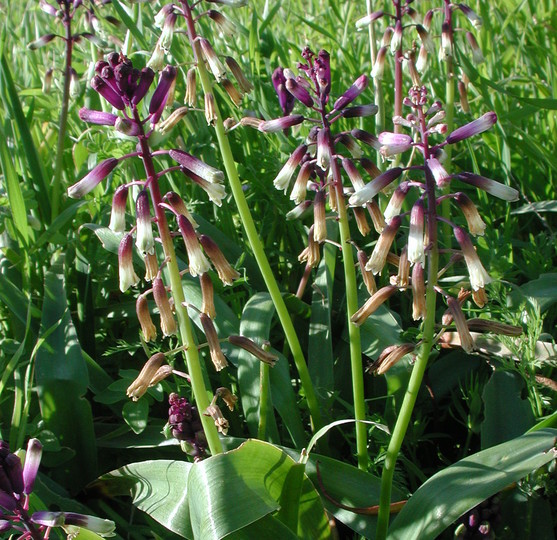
point(359, 85)
point(478, 276)
point(282, 179)
point(14, 470)
point(107, 92)
point(279, 124)
point(197, 261)
point(473, 128)
point(97, 117)
point(178, 205)
point(127, 275)
point(365, 194)
point(299, 92)
point(127, 127)
point(394, 143)
point(144, 241)
point(416, 233)
point(166, 81)
point(7, 501)
point(286, 99)
point(491, 186)
point(323, 71)
point(143, 85)
point(196, 166)
point(32, 462)
point(93, 179)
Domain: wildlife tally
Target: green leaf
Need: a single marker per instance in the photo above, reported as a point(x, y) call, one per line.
point(506, 414)
point(458, 488)
point(320, 345)
point(62, 379)
point(158, 487)
point(539, 206)
point(256, 324)
point(237, 488)
point(543, 290)
point(136, 414)
point(15, 196)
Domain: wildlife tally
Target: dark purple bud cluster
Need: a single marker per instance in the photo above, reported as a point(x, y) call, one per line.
point(185, 424)
point(479, 523)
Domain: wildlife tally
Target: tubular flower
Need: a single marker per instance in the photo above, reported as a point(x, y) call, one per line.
point(128, 277)
point(379, 255)
point(91, 180)
point(168, 323)
point(143, 380)
point(217, 356)
point(197, 262)
point(478, 276)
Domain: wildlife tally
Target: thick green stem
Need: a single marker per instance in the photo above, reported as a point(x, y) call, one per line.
point(253, 236)
point(63, 121)
point(419, 368)
point(201, 394)
point(351, 288)
point(264, 400)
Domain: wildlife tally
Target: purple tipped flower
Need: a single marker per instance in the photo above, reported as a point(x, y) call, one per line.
point(439, 173)
point(286, 99)
point(143, 85)
point(491, 186)
point(394, 143)
point(473, 128)
point(97, 117)
point(478, 275)
point(364, 195)
point(197, 261)
point(360, 84)
point(107, 92)
point(416, 233)
point(299, 92)
point(272, 126)
point(93, 179)
point(127, 275)
point(31, 467)
point(282, 179)
point(323, 69)
point(166, 81)
point(196, 166)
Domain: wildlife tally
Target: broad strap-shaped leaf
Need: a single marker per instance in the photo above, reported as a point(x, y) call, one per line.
point(62, 379)
point(237, 488)
point(458, 488)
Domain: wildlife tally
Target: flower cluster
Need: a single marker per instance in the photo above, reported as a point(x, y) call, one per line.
point(16, 484)
point(166, 20)
point(185, 425)
point(426, 121)
point(317, 183)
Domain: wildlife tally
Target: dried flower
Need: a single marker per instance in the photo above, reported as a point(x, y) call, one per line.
point(148, 329)
point(418, 292)
point(372, 304)
point(250, 346)
point(143, 380)
point(217, 356)
point(379, 255)
point(227, 396)
point(478, 276)
point(226, 273)
point(220, 421)
point(168, 323)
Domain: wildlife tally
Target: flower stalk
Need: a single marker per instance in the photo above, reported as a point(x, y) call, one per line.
point(251, 230)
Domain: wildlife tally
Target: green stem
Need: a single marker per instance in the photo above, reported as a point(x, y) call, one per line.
point(419, 368)
point(351, 287)
point(264, 387)
point(201, 394)
point(252, 234)
point(63, 120)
